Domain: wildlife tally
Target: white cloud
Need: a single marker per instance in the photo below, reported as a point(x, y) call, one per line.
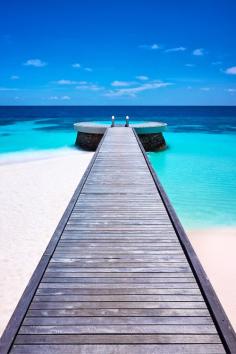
point(38, 63)
point(205, 89)
point(142, 77)
point(198, 52)
point(150, 46)
point(89, 86)
point(76, 65)
point(216, 63)
point(66, 82)
point(177, 49)
point(231, 90)
point(117, 83)
point(231, 71)
point(8, 89)
point(79, 66)
point(14, 77)
point(132, 91)
point(155, 46)
point(190, 65)
point(56, 98)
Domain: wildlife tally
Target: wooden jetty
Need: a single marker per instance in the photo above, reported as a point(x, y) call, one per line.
point(119, 275)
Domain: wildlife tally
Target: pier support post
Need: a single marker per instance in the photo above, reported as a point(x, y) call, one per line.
point(153, 141)
point(112, 121)
point(88, 141)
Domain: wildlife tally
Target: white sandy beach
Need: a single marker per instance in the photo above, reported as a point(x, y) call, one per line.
point(216, 251)
point(33, 197)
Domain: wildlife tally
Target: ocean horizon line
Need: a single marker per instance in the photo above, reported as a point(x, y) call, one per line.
point(120, 105)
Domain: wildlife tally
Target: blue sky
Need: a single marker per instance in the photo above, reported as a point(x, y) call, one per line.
point(106, 52)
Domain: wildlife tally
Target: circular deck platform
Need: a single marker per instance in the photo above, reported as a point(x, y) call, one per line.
point(89, 134)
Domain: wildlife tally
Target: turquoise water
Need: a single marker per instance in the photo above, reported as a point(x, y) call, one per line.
point(39, 135)
point(36, 135)
point(198, 172)
point(30, 135)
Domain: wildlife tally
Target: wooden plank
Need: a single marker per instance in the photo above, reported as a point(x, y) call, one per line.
point(159, 269)
point(119, 329)
point(163, 285)
point(145, 291)
point(117, 305)
point(118, 312)
point(121, 298)
point(111, 320)
point(119, 349)
point(112, 280)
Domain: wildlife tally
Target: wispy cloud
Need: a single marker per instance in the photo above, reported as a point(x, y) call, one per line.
point(133, 91)
point(14, 77)
point(121, 83)
point(150, 46)
point(190, 65)
point(8, 89)
point(198, 52)
point(56, 98)
point(216, 63)
point(38, 63)
point(66, 82)
point(206, 89)
point(89, 86)
point(142, 77)
point(79, 66)
point(231, 90)
point(177, 49)
point(231, 70)
point(155, 46)
point(76, 65)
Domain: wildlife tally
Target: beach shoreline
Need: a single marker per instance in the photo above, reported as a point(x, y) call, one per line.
point(35, 192)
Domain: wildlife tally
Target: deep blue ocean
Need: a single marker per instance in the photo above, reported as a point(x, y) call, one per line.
point(198, 170)
point(183, 119)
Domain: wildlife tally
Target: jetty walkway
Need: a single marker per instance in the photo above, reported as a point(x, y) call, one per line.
point(119, 275)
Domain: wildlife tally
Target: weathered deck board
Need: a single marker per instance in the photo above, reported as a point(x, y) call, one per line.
point(116, 277)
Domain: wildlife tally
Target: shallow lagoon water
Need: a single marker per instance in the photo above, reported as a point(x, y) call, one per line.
point(29, 135)
point(198, 170)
